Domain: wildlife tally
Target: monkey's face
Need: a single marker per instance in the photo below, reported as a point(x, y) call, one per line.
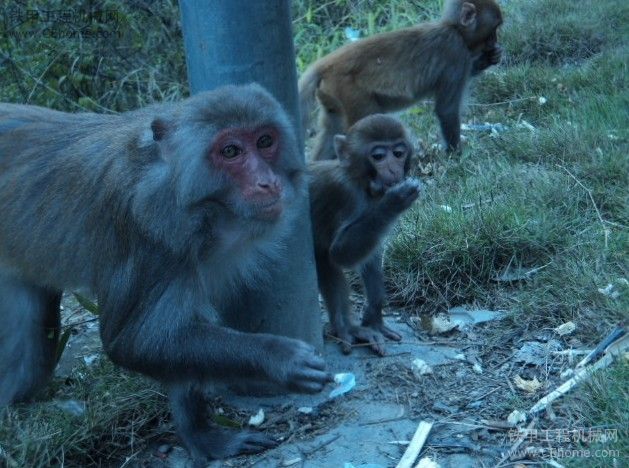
point(389, 163)
point(490, 20)
point(249, 156)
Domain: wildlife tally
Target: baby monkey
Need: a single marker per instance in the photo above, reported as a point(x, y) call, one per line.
point(354, 202)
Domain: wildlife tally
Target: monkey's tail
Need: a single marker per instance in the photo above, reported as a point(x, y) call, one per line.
point(308, 84)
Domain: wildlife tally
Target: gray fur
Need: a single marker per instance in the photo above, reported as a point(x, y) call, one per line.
point(130, 207)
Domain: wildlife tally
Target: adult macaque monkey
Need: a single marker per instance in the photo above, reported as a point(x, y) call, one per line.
point(162, 212)
point(354, 201)
point(391, 71)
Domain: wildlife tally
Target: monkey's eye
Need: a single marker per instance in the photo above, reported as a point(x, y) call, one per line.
point(231, 151)
point(265, 141)
point(378, 155)
point(399, 151)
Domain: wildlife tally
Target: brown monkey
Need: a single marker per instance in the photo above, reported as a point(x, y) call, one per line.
point(354, 201)
point(162, 212)
point(393, 70)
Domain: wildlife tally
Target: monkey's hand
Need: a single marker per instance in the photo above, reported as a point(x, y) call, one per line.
point(401, 196)
point(487, 58)
point(493, 55)
point(294, 364)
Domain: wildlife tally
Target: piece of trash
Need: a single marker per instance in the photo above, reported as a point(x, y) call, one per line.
point(485, 127)
point(530, 386)
point(305, 409)
point(399, 442)
point(477, 368)
point(542, 100)
point(463, 316)
point(364, 465)
point(525, 124)
point(351, 34)
point(565, 328)
point(345, 382)
point(89, 360)
point(73, 407)
point(257, 418)
point(535, 352)
point(617, 347)
point(417, 442)
point(443, 408)
point(427, 462)
point(446, 208)
point(516, 417)
point(291, 461)
point(511, 274)
point(420, 368)
point(441, 323)
point(609, 291)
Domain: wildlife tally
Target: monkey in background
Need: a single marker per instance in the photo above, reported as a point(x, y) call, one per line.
point(163, 213)
point(394, 70)
point(354, 202)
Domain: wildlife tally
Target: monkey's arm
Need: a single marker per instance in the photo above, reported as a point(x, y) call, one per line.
point(357, 239)
point(166, 336)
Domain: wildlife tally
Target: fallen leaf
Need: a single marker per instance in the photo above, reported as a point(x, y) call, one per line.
point(530, 386)
point(516, 417)
point(565, 328)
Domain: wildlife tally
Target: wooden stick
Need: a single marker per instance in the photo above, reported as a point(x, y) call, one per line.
point(517, 444)
point(417, 442)
point(597, 352)
point(582, 374)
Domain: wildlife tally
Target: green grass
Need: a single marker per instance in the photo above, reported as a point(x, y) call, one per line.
point(604, 406)
point(122, 413)
point(547, 193)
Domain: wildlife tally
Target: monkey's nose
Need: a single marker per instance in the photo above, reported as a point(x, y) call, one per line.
point(270, 187)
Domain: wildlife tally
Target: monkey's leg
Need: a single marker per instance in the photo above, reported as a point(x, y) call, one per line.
point(189, 410)
point(373, 281)
point(331, 122)
point(335, 292)
point(448, 110)
point(28, 337)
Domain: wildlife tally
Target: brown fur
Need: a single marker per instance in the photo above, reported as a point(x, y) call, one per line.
point(354, 201)
point(391, 71)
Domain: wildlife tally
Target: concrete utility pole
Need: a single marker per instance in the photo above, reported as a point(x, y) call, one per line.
point(237, 42)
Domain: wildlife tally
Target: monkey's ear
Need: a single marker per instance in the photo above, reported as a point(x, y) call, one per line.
point(468, 15)
point(339, 146)
point(160, 128)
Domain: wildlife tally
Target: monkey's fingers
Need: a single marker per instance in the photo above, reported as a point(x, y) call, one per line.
point(495, 55)
point(220, 443)
point(372, 337)
point(310, 381)
point(250, 442)
point(387, 332)
point(310, 377)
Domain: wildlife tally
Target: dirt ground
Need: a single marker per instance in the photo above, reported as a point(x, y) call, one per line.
point(466, 386)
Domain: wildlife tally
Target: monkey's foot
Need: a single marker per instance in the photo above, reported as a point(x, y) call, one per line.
point(386, 331)
point(373, 336)
point(218, 444)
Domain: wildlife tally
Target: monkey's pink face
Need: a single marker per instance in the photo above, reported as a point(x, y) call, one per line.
point(389, 162)
point(249, 156)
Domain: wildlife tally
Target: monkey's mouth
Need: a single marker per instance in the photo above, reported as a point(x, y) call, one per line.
point(270, 210)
